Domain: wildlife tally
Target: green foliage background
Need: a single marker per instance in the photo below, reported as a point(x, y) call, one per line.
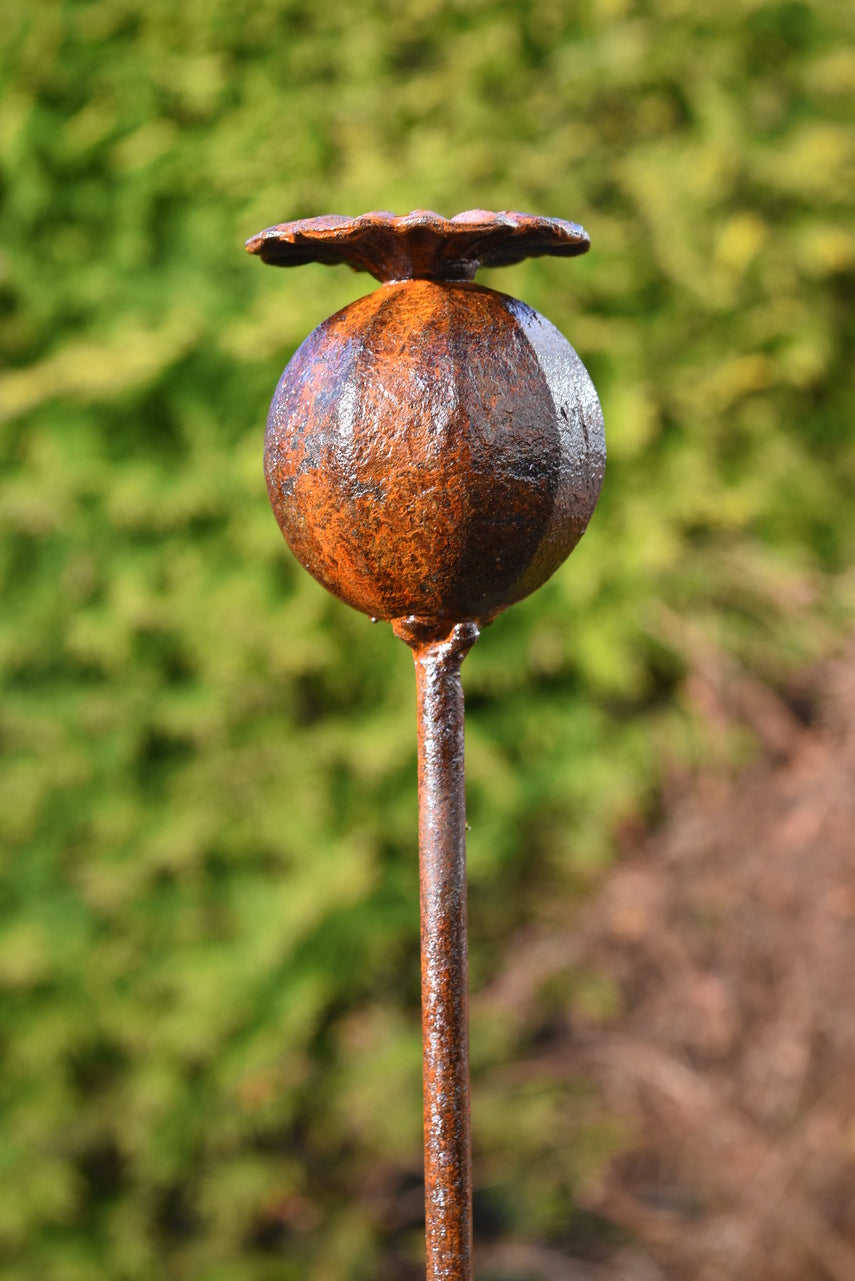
point(208, 955)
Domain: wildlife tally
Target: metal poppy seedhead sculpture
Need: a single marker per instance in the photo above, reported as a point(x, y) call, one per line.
point(436, 449)
point(433, 453)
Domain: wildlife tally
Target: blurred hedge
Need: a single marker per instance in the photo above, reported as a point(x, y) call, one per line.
point(209, 944)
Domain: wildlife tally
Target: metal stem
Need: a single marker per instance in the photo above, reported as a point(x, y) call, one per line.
point(445, 1023)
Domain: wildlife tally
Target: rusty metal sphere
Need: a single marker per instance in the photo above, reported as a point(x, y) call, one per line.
point(436, 449)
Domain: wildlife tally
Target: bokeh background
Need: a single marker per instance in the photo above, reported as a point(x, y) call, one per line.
point(209, 946)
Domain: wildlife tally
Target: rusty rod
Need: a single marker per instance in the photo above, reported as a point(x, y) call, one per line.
point(445, 997)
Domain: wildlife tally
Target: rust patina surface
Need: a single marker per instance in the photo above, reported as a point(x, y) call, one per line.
point(433, 449)
point(419, 245)
point(445, 987)
point(433, 453)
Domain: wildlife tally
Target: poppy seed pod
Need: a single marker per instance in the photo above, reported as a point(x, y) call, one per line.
point(433, 453)
point(436, 449)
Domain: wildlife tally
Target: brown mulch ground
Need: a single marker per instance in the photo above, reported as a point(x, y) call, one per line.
point(730, 935)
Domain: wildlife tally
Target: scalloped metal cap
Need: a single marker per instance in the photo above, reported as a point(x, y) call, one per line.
point(421, 245)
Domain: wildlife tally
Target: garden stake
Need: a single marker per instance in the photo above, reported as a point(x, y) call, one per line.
point(433, 453)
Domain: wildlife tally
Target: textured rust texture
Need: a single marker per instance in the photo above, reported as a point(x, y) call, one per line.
point(419, 244)
point(445, 997)
point(433, 453)
point(434, 449)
